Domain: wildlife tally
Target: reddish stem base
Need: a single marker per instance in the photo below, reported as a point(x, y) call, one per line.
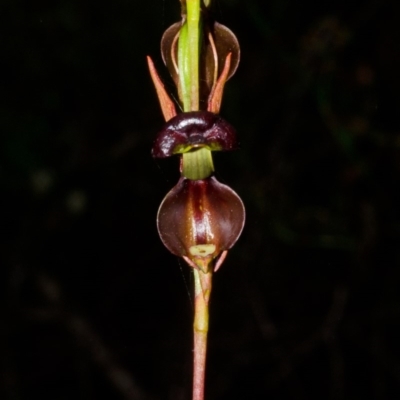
point(200, 329)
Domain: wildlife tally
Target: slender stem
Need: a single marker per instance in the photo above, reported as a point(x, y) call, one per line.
point(202, 283)
point(193, 21)
point(188, 65)
point(188, 57)
point(184, 68)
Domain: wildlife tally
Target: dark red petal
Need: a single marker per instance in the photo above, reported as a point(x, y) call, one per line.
point(194, 129)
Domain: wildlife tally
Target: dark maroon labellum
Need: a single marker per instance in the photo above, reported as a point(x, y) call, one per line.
point(200, 218)
point(192, 130)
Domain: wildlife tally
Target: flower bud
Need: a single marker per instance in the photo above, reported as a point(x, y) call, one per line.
point(200, 219)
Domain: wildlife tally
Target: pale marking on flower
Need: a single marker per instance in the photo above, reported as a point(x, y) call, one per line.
point(202, 250)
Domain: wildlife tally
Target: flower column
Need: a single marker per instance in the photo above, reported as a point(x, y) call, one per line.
point(200, 219)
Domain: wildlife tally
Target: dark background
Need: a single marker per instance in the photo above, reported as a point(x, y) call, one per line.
point(307, 304)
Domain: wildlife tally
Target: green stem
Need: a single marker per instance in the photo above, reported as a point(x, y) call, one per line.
point(188, 56)
point(184, 68)
point(197, 164)
point(202, 283)
point(193, 21)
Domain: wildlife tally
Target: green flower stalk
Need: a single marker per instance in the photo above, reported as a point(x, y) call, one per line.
point(200, 219)
point(188, 56)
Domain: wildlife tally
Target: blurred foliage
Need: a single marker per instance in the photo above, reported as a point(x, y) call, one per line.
point(307, 304)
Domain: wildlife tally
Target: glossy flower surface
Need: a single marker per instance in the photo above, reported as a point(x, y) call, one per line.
point(192, 130)
point(199, 219)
